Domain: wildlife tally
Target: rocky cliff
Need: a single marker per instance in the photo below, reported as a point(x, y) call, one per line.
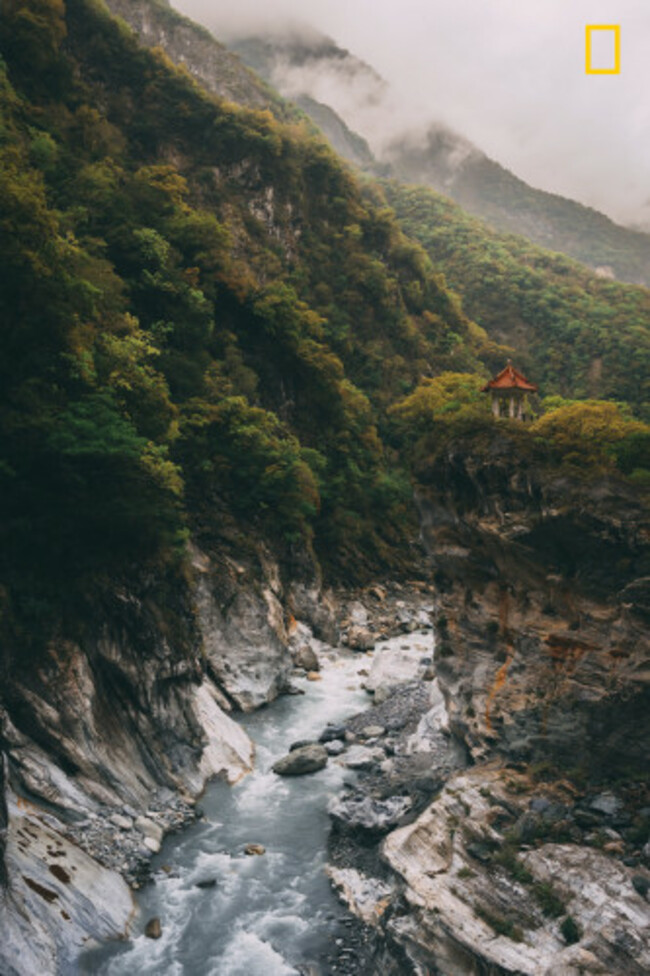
point(536, 858)
point(110, 733)
point(543, 582)
point(211, 63)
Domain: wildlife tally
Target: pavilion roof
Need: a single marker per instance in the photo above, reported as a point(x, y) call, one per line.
point(510, 379)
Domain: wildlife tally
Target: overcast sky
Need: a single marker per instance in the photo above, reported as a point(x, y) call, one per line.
point(507, 74)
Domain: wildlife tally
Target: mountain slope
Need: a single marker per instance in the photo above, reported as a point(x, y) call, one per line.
point(200, 304)
point(525, 298)
point(486, 189)
point(305, 63)
point(157, 24)
point(577, 334)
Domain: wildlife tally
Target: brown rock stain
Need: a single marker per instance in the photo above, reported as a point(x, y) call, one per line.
point(45, 893)
point(59, 873)
point(497, 685)
point(567, 652)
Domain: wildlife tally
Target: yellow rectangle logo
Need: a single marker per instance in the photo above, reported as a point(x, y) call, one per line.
point(614, 29)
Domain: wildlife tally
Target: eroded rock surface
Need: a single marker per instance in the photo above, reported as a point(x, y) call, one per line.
point(475, 893)
point(113, 731)
point(241, 621)
point(543, 641)
point(58, 901)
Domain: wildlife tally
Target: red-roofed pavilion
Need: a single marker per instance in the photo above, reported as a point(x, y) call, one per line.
point(509, 389)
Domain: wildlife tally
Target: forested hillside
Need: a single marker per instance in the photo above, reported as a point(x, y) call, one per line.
point(489, 191)
point(202, 311)
point(579, 335)
point(206, 316)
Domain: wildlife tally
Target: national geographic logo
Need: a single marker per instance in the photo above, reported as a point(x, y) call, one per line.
point(603, 49)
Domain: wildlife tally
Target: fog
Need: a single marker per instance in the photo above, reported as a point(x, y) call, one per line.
point(507, 75)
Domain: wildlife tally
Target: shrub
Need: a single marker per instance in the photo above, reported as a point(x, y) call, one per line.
point(571, 931)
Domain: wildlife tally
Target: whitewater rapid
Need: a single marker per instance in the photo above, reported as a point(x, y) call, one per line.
point(268, 915)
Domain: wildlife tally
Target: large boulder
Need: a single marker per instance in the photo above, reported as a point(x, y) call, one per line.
point(360, 638)
point(305, 657)
point(307, 759)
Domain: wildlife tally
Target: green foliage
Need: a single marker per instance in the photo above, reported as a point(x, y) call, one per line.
point(500, 924)
point(448, 397)
point(179, 337)
point(571, 931)
point(585, 439)
point(548, 899)
point(439, 411)
point(593, 433)
point(31, 32)
point(507, 858)
point(245, 454)
point(577, 335)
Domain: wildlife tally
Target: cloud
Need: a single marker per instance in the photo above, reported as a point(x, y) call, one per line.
point(509, 76)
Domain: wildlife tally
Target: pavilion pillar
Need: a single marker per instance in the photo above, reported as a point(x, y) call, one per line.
point(495, 404)
point(511, 411)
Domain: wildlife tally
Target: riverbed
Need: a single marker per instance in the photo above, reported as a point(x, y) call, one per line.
point(226, 913)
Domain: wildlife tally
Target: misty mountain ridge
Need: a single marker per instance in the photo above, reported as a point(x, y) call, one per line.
point(532, 300)
point(329, 82)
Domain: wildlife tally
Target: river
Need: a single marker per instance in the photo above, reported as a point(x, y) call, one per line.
point(265, 915)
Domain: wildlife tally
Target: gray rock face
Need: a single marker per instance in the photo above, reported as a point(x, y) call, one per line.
point(363, 757)
point(360, 638)
point(216, 68)
point(315, 606)
point(359, 811)
point(242, 628)
point(367, 897)
point(397, 663)
point(538, 641)
point(101, 729)
point(335, 747)
point(57, 897)
point(307, 759)
point(468, 901)
point(607, 803)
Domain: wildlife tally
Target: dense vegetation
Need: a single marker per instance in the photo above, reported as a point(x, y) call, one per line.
point(202, 313)
point(576, 334)
point(206, 319)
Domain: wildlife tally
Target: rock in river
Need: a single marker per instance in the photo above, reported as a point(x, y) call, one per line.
point(332, 732)
point(306, 658)
point(153, 929)
point(307, 759)
point(356, 811)
point(254, 849)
